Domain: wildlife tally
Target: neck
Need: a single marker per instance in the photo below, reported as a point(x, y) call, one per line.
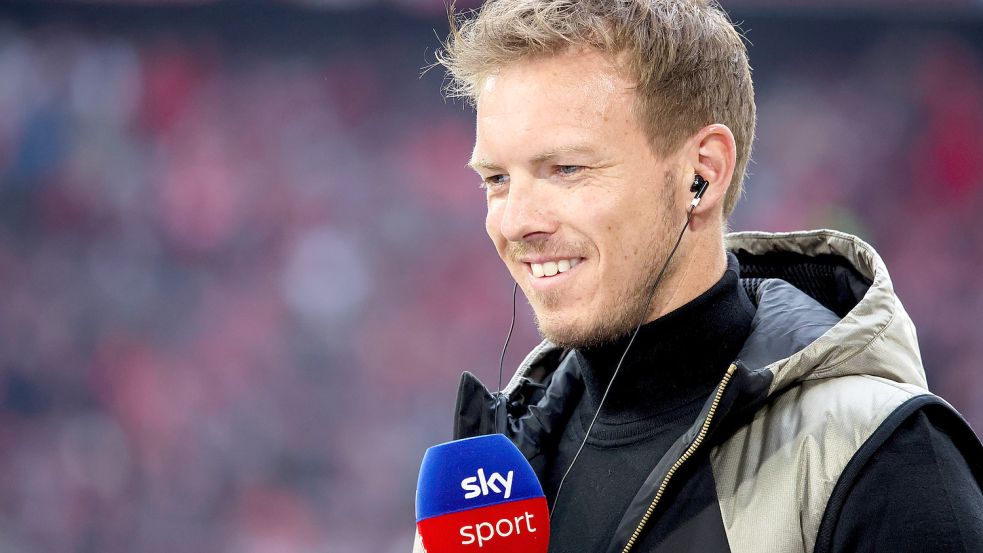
point(697, 266)
point(675, 360)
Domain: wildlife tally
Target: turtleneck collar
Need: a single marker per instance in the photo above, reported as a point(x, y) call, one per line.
point(675, 361)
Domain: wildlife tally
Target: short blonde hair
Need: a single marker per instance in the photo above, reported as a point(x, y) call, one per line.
point(686, 56)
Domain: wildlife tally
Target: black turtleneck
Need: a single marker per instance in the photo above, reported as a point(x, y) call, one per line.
point(674, 364)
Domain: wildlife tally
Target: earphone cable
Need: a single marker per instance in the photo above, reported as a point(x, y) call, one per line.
point(559, 488)
point(501, 362)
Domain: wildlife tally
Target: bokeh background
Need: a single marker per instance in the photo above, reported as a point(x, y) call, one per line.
point(242, 262)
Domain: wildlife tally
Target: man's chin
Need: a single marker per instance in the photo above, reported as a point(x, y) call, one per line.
point(557, 328)
point(578, 329)
point(577, 336)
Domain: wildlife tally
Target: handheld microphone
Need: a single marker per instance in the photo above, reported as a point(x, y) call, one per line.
point(480, 495)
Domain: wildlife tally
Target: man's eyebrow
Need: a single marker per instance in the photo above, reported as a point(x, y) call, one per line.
point(481, 164)
point(557, 152)
point(538, 158)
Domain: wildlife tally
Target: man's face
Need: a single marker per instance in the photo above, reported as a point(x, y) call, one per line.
point(580, 207)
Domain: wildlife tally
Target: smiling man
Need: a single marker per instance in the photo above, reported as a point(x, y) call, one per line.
point(580, 204)
point(695, 391)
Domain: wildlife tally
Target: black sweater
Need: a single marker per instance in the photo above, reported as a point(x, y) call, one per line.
point(673, 365)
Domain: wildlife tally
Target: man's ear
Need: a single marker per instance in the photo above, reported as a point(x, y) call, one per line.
point(713, 156)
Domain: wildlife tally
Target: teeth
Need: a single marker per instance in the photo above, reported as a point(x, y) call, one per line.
point(551, 268)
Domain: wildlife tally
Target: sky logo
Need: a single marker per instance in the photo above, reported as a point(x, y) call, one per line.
point(480, 486)
point(498, 508)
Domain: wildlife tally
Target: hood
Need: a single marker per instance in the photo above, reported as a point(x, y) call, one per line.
point(826, 308)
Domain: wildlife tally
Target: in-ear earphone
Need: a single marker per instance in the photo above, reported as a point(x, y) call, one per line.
point(699, 186)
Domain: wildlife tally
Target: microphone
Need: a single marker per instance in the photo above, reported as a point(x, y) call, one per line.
point(480, 495)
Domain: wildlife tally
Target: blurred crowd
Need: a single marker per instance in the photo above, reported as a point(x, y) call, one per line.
point(238, 286)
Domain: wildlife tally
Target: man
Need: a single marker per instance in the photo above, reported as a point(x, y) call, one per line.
point(751, 392)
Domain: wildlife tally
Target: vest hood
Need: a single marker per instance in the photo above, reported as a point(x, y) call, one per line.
point(833, 313)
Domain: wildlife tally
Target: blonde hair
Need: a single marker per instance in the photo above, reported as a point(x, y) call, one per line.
point(686, 56)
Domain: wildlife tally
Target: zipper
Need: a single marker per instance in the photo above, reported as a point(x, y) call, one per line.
point(685, 456)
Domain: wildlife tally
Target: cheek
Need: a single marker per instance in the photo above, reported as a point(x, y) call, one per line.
point(618, 245)
point(493, 220)
point(604, 223)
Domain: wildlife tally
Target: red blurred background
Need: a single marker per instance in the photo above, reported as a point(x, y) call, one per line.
point(242, 262)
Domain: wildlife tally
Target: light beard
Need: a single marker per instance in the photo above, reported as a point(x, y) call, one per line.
point(630, 308)
point(632, 303)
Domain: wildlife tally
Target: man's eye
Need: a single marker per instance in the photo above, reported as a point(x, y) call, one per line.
point(568, 170)
point(494, 181)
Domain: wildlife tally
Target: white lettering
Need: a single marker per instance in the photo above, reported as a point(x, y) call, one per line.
point(487, 531)
point(507, 483)
point(481, 537)
point(469, 485)
point(482, 485)
point(466, 533)
point(484, 482)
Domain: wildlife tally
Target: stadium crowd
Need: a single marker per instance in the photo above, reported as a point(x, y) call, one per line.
point(238, 286)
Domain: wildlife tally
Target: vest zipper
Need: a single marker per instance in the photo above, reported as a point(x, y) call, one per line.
point(679, 462)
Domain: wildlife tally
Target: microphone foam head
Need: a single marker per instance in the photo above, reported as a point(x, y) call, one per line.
point(480, 495)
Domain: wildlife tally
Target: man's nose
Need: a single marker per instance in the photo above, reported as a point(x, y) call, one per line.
point(528, 212)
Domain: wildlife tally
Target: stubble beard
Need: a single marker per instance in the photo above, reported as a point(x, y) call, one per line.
point(629, 308)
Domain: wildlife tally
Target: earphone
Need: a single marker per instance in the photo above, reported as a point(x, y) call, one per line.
point(699, 187)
